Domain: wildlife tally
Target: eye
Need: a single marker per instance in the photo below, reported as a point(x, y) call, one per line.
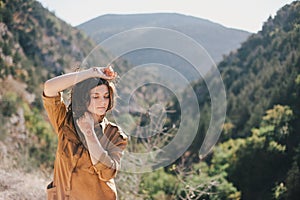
point(95, 96)
point(106, 96)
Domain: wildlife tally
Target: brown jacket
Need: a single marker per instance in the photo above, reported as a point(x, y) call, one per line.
point(75, 177)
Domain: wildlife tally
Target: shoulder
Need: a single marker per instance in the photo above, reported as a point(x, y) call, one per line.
point(56, 110)
point(54, 104)
point(119, 131)
point(114, 129)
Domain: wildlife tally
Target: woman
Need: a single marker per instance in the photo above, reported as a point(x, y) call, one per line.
point(89, 146)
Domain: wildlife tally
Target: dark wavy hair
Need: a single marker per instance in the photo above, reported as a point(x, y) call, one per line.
point(80, 95)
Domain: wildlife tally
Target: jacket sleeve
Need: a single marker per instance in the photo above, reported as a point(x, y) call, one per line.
point(55, 109)
point(109, 161)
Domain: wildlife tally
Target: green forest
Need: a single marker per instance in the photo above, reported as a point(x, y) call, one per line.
point(257, 155)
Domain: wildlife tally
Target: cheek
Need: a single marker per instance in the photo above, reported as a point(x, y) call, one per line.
point(90, 104)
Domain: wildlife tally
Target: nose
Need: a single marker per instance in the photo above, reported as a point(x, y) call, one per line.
point(103, 101)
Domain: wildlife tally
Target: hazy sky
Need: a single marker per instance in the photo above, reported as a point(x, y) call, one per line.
point(247, 15)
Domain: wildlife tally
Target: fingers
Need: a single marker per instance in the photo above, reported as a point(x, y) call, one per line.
point(86, 123)
point(109, 72)
point(105, 72)
point(85, 128)
point(86, 118)
point(89, 117)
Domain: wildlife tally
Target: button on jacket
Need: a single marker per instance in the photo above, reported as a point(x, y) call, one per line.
point(75, 177)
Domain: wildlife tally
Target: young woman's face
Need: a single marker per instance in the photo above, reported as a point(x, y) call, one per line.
point(99, 100)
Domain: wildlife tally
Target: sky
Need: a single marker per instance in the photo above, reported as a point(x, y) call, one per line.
point(248, 15)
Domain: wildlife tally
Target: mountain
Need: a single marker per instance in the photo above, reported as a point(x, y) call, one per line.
point(34, 46)
point(216, 39)
point(259, 148)
point(257, 156)
point(263, 72)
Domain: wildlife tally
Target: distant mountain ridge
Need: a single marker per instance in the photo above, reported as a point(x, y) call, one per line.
point(215, 38)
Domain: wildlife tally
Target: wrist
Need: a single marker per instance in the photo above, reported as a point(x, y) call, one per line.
point(95, 71)
point(90, 72)
point(90, 136)
point(88, 132)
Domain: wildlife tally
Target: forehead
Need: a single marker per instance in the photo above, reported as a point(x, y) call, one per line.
point(100, 89)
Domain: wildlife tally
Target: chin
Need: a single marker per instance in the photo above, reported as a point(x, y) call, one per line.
point(99, 114)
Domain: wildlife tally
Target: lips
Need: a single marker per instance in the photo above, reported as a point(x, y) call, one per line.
point(100, 110)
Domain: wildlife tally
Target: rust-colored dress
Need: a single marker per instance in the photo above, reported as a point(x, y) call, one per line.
point(75, 177)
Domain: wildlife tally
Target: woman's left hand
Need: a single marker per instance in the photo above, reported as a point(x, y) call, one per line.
point(86, 124)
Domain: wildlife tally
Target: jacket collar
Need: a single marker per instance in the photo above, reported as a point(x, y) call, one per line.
point(104, 124)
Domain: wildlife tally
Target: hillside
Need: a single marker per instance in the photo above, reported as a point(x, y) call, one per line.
point(34, 46)
point(258, 151)
point(263, 72)
point(215, 38)
point(257, 156)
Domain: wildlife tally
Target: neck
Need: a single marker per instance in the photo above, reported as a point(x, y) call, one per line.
point(98, 118)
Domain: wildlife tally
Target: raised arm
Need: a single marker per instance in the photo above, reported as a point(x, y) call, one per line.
point(53, 86)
